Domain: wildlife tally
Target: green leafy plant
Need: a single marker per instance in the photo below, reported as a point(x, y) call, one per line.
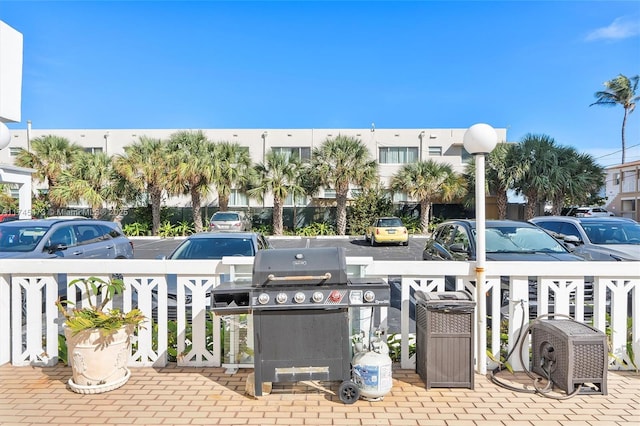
point(166, 229)
point(95, 315)
point(394, 341)
point(183, 228)
point(136, 229)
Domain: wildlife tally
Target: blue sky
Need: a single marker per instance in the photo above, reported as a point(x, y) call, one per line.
point(532, 67)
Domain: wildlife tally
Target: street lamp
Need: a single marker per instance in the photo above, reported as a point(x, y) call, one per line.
point(480, 139)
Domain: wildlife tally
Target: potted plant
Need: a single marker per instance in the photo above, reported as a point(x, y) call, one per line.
point(98, 339)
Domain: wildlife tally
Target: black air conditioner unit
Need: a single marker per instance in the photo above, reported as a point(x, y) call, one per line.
point(571, 354)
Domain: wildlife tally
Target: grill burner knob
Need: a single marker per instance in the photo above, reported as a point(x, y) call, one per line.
point(369, 296)
point(317, 297)
point(263, 299)
point(335, 296)
point(281, 298)
point(299, 297)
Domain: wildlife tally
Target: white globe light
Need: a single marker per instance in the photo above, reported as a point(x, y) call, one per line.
point(5, 136)
point(480, 139)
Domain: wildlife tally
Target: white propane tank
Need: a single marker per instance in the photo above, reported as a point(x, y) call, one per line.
point(372, 372)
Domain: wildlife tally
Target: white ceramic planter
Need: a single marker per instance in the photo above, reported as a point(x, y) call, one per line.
point(98, 363)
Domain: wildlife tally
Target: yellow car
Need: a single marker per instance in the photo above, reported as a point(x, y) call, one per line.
point(387, 230)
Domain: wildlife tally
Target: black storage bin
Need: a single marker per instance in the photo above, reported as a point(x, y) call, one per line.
point(444, 339)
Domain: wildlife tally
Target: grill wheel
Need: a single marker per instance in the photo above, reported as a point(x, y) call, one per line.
point(348, 392)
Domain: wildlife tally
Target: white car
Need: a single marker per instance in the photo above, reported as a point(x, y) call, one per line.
point(589, 212)
point(596, 238)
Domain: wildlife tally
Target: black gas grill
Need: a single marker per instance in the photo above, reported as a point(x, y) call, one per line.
point(300, 300)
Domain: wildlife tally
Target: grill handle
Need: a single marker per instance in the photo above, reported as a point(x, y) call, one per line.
point(326, 276)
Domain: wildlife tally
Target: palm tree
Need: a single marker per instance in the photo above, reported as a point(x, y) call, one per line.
point(428, 181)
point(536, 157)
point(233, 170)
point(90, 178)
point(49, 155)
point(146, 165)
point(500, 176)
point(339, 162)
point(620, 90)
point(279, 175)
point(193, 160)
point(578, 178)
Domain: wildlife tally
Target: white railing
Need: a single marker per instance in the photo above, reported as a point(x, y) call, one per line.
point(30, 322)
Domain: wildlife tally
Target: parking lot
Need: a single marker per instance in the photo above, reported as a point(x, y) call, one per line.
point(152, 248)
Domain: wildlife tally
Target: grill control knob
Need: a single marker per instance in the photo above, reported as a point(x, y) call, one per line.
point(299, 297)
point(369, 296)
point(263, 299)
point(281, 298)
point(317, 297)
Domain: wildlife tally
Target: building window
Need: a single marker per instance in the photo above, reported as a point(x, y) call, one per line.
point(399, 197)
point(435, 151)
point(302, 153)
point(238, 198)
point(13, 151)
point(329, 193)
point(616, 178)
point(398, 155)
point(300, 200)
point(465, 157)
point(93, 150)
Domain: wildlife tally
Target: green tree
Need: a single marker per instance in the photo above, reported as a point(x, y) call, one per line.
point(536, 156)
point(50, 155)
point(366, 206)
point(620, 91)
point(428, 181)
point(146, 165)
point(90, 178)
point(233, 170)
point(577, 179)
point(501, 173)
point(280, 176)
point(338, 163)
point(193, 167)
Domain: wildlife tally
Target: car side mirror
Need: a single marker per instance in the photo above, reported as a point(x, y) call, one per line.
point(55, 247)
point(458, 248)
point(572, 239)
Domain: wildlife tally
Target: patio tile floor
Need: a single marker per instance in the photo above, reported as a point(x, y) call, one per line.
point(208, 396)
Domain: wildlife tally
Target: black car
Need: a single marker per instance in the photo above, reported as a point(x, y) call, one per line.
point(505, 240)
point(214, 246)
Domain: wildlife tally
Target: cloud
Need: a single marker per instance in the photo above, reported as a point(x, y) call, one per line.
point(619, 29)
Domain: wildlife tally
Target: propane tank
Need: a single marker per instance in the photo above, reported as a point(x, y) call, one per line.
point(372, 371)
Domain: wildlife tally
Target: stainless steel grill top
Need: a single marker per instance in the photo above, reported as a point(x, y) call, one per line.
point(300, 267)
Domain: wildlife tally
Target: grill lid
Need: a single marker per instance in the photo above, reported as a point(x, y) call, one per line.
point(307, 266)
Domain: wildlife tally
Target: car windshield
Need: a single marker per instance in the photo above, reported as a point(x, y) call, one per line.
point(622, 232)
point(20, 239)
point(225, 217)
point(214, 248)
point(513, 239)
point(390, 222)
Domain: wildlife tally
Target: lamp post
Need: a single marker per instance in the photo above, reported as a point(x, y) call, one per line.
point(480, 139)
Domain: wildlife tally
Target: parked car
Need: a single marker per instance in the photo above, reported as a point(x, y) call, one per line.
point(229, 221)
point(211, 245)
point(596, 238)
point(387, 230)
point(7, 217)
point(63, 238)
point(505, 240)
point(586, 212)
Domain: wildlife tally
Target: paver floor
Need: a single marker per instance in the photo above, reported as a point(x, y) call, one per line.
point(208, 396)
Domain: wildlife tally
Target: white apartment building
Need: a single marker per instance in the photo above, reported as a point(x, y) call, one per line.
point(392, 148)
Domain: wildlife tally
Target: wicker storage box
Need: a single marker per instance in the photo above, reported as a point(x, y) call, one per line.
point(444, 339)
point(571, 354)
